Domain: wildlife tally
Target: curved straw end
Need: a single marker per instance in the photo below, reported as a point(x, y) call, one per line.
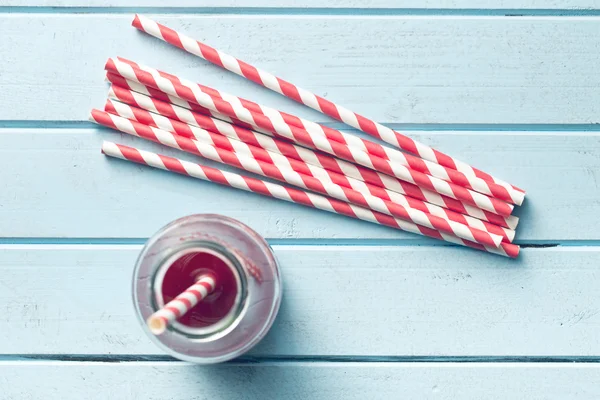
point(520, 198)
point(512, 221)
point(157, 325)
point(136, 22)
point(510, 234)
point(208, 275)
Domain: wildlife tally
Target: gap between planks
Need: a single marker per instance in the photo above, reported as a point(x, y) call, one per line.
point(513, 129)
point(94, 243)
point(310, 11)
point(249, 360)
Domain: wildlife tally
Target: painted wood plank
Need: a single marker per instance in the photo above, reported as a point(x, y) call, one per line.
point(61, 186)
point(391, 68)
point(338, 300)
point(360, 4)
point(62, 380)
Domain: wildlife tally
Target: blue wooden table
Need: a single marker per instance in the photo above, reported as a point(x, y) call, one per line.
point(368, 312)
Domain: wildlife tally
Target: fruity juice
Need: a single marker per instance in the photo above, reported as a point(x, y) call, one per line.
point(185, 270)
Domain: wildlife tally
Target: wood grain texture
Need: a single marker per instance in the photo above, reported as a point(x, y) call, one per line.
point(360, 4)
point(61, 186)
point(351, 381)
point(405, 62)
point(338, 300)
point(393, 69)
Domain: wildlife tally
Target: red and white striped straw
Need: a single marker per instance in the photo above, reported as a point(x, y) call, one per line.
point(311, 100)
point(118, 80)
point(327, 177)
point(351, 141)
point(180, 305)
point(290, 176)
point(288, 194)
point(138, 95)
point(192, 93)
point(249, 150)
point(155, 94)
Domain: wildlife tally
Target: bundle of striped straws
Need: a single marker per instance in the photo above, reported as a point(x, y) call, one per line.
point(410, 186)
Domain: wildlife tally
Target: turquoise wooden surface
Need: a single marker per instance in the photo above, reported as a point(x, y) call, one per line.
point(283, 6)
point(301, 380)
point(406, 70)
point(355, 300)
point(368, 312)
point(84, 186)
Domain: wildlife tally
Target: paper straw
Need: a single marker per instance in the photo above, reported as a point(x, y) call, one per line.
point(192, 93)
point(288, 194)
point(154, 93)
point(328, 177)
point(142, 98)
point(290, 176)
point(351, 141)
point(181, 304)
point(315, 102)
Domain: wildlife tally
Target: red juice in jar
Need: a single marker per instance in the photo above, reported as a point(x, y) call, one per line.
point(182, 274)
point(233, 316)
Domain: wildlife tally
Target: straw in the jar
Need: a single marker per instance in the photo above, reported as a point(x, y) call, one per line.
point(192, 93)
point(288, 194)
point(181, 304)
point(309, 99)
point(137, 95)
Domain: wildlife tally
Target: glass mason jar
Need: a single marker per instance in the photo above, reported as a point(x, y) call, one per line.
point(241, 309)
